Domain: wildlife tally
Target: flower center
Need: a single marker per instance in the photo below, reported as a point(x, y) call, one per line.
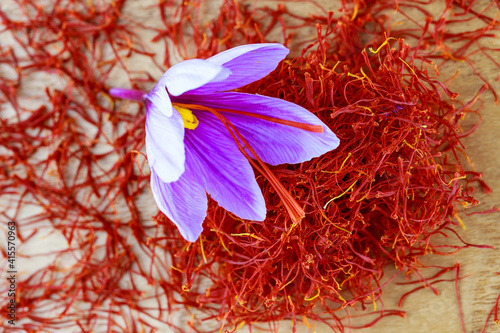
point(190, 120)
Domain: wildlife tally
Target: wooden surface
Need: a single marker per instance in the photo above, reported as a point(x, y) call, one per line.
point(425, 312)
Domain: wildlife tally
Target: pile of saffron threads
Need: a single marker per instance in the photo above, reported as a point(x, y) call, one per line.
point(73, 157)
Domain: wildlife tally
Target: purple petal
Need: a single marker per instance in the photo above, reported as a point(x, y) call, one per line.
point(222, 170)
point(247, 63)
point(165, 143)
point(184, 76)
point(184, 202)
point(274, 143)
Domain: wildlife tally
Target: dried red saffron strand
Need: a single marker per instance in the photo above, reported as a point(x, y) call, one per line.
point(457, 293)
point(494, 311)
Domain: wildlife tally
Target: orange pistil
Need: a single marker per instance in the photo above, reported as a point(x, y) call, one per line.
point(296, 124)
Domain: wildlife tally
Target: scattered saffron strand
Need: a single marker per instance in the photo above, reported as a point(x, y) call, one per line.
point(457, 292)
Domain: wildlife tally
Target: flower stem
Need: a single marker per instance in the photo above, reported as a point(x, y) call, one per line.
point(135, 95)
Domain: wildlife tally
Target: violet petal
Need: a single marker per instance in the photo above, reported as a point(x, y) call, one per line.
point(222, 170)
point(274, 143)
point(247, 63)
point(184, 202)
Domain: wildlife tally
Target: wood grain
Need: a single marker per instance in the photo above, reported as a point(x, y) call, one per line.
point(425, 312)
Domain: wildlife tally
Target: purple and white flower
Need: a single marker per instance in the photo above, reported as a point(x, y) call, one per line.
point(190, 151)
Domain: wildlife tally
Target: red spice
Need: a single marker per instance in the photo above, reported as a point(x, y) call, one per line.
point(494, 311)
point(394, 182)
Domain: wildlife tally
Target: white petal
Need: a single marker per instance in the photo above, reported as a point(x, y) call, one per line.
point(191, 74)
point(184, 202)
point(165, 143)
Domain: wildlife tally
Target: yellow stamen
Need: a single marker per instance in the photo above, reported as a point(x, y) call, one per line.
point(190, 120)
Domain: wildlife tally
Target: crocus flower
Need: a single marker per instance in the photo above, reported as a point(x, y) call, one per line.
point(191, 152)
